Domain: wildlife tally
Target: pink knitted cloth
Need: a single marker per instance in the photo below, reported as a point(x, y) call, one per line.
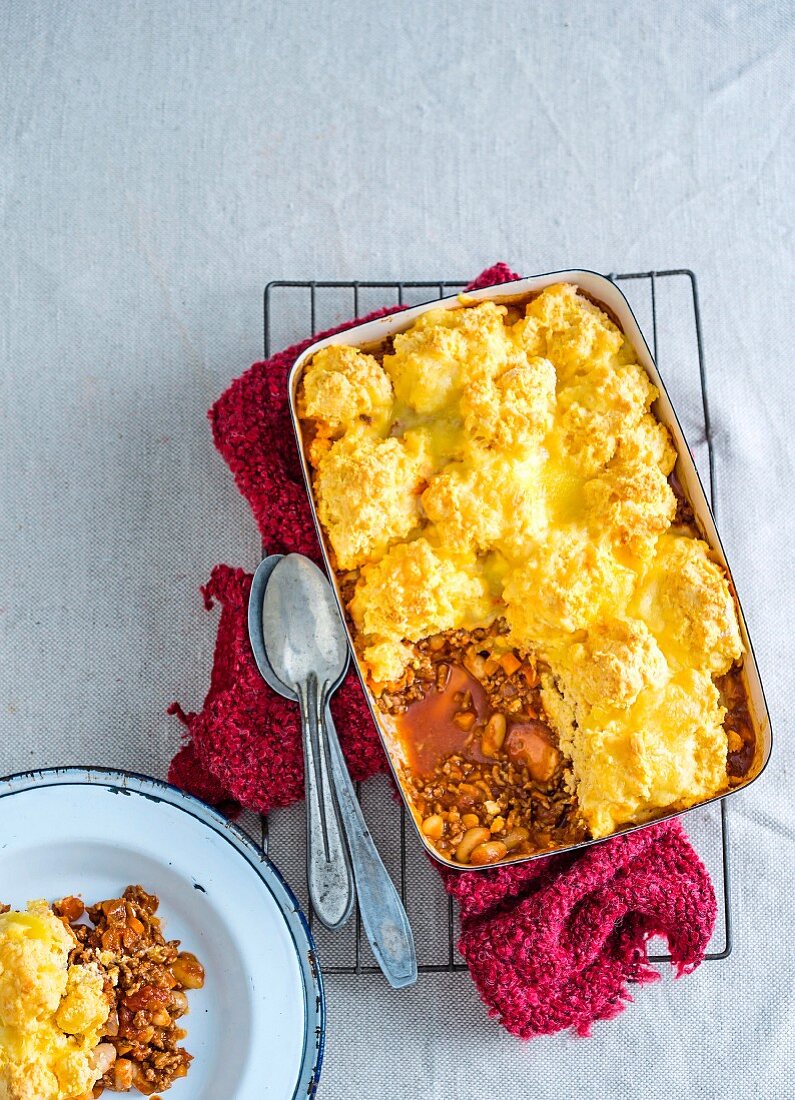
point(551, 944)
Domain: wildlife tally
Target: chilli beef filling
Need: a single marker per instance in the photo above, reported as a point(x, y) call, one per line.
point(483, 764)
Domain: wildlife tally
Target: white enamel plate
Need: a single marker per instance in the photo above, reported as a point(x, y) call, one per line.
point(256, 1029)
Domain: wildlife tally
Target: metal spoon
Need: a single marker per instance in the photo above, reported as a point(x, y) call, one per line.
point(306, 653)
point(383, 915)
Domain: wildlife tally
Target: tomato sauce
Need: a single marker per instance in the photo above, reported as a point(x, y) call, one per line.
point(427, 730)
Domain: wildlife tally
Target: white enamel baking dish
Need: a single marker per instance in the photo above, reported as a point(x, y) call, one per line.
point(605, 293)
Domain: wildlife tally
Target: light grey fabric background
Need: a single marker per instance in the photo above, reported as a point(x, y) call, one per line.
point(160, 163)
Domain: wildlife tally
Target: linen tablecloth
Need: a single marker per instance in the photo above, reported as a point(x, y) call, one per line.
point(162, 162)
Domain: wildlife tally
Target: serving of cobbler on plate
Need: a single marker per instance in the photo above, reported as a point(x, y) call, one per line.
point(90, 997)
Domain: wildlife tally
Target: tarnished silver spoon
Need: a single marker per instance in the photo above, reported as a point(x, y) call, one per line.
point(383, 915)
point(305, 651)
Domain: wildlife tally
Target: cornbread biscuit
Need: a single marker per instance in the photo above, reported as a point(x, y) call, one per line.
point(686, 601)
point(445, 349)
point(34, 946)
point(369, 494)
point(632, 503)
point(568, 329)
point(599, 408)
point(51, 1013)
point(567, 584)
point(486, 500)
point(668, 749)
point(615, 662)
point(344, 387)
point(416, 590)
point(83, 1007)
point(648, 442)
point(514, 410)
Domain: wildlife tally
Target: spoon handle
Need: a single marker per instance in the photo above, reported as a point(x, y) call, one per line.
point(384, 917)
point(328, 870)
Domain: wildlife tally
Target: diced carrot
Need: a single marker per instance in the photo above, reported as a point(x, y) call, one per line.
point(510, 662)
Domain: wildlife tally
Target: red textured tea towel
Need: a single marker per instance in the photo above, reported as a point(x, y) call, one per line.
point(551, 944)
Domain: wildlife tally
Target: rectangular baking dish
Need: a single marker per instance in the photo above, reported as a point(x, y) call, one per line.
point(607, 295)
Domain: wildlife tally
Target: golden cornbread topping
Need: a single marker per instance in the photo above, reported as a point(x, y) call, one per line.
point(502, 464)
point(51, 1012)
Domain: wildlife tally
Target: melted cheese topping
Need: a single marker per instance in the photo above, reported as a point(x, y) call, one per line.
point(493, 468)
point(51, 1014)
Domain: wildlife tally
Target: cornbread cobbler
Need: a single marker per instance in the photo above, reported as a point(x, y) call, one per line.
point(556, 647)
point(89, 1006)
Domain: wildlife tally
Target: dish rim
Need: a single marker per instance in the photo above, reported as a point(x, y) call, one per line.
point(401, 319)
point(159, 790)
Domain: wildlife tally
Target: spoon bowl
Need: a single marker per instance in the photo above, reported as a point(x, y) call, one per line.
point(259, 582)
point(302, 631)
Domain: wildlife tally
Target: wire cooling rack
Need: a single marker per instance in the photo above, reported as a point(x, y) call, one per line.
point(667, 308)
